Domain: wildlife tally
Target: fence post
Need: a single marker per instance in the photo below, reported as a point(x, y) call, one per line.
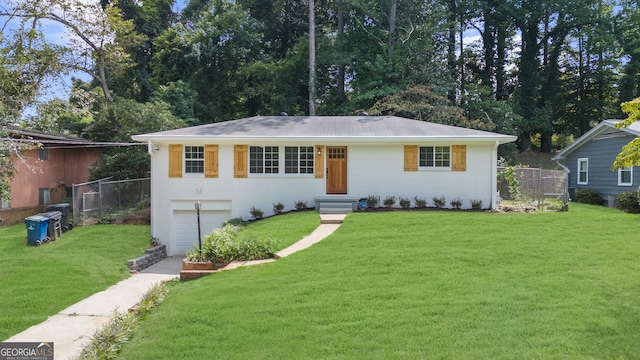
point(100, 198)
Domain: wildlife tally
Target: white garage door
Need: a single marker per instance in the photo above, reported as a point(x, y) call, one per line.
point(185, 227)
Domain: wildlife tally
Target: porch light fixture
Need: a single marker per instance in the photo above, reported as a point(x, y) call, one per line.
point(319, 150)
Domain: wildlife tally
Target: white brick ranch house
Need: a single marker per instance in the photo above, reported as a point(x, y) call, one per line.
point(232, 166)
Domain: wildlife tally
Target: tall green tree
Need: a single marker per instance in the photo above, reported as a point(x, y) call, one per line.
point(117, 122)
point(628, 31)
point(630, 154)
point(98, 42)
point(150, 18)
point(208, 53)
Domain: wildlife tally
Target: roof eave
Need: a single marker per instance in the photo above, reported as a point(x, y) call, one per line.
point(501, 139)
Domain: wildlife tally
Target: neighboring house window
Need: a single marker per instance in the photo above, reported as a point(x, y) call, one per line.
point(194, 159)
point(625, 177)
point(263, 160)
point(43, 196)
point(43, 153)
point(583, 171)
point(435, 156)
point(298, 160)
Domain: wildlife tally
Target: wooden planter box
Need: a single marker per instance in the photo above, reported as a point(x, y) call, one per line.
point(195, 269)
point(196, 265)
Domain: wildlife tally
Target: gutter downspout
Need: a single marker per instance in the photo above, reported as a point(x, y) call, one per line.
point(566, 169)
point(494, 176)
point(151, 150)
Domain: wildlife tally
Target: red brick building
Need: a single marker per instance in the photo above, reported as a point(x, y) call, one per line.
point(45, 173)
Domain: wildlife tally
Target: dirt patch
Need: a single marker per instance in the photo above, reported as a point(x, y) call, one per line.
point(137, 217)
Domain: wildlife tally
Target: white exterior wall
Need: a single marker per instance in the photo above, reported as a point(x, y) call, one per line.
point(379, 170)
point(371, 169)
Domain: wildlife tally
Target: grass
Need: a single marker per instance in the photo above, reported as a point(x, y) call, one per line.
point(285, 229)
point(37, 282)
point(463, 285)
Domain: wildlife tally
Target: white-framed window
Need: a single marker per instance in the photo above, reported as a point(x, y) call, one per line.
point(625, 177)
point(264, 160)
point(435, 157)
point(583, 171)
point(194, 159)
point(298, 160)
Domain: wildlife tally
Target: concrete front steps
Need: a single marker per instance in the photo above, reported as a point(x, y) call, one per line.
point(336, 204)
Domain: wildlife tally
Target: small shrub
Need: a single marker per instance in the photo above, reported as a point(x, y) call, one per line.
point(628, 202)
point(226, 244)
point(300, 205)
point(405, 203)
point(389, 201)
point(557, 205)
point(456, 203)
point(154, 241)
point(589, 196)
point(277, 208)
point(476, 204)
point(420, 202)
point(218, 245)
point(255, 249)
point(439, 201)
point(256, 213)
point(236, 221)
point(108, 340)
point(373, 201)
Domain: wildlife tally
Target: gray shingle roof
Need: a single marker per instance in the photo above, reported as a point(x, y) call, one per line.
point(370, 127)
point(604, 127)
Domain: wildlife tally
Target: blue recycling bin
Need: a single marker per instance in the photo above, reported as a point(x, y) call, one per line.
point(37, 226)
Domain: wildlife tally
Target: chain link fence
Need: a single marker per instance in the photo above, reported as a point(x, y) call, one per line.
point(533, 188)
point(96, 199)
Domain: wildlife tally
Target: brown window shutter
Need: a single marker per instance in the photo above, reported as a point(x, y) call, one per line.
point(411, 158)
point(240, 155)
point(211, 161)
point(459, 158)
point(319, 161)
point(175, 160)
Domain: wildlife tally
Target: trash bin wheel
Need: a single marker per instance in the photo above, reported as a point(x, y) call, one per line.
point(37, 243)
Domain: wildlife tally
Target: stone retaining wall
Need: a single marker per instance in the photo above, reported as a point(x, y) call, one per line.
point(150, 257)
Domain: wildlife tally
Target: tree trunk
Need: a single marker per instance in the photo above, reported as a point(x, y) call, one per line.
point(392, 24)
point(501, 60)
point(341, 67)
point(312, 59)
point(488, 41)
point(451, 47)
point(529, 79)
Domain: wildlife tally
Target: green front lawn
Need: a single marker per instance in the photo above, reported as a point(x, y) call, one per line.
point(451, 285)
point(37, 282)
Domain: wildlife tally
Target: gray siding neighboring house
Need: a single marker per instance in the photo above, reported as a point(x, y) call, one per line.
point(590, 157)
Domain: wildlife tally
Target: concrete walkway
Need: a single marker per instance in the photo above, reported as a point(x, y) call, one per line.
point(72, 328)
